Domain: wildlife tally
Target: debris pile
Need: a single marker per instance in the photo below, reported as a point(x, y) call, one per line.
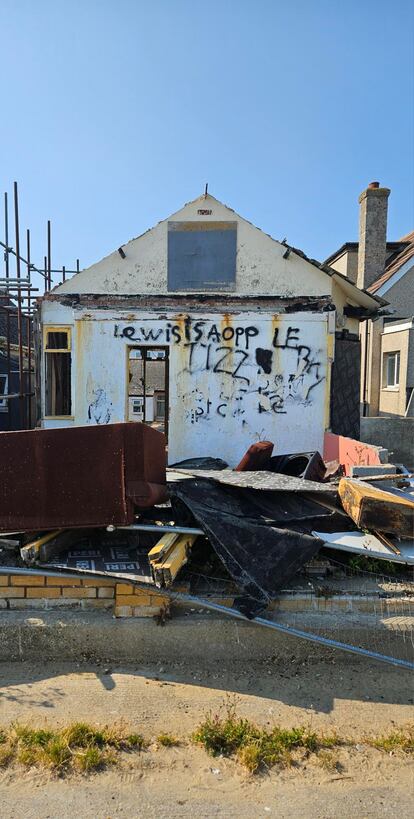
point(101, 500)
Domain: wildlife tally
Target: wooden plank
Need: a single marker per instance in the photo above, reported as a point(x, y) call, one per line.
point(376, 509)
point(165, 566)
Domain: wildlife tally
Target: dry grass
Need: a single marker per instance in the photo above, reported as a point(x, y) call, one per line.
point(256, 748)
point(88, 748)
point(402, 740)
point(167, 740)
point(78, 746)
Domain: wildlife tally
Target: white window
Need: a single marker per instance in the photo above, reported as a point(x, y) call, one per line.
point(3, 391)
point(160, 407)
point(391, 370)
point(138, 405)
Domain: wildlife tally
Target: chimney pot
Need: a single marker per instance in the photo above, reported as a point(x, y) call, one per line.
point(373, 185)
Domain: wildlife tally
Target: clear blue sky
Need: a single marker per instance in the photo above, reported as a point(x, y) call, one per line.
point(115, 113)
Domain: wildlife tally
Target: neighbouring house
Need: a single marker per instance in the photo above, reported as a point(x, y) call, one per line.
point(147, 379)
point(215, 330)
point(384, 269)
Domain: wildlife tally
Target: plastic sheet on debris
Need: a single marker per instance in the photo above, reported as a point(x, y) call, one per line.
point(260, 557)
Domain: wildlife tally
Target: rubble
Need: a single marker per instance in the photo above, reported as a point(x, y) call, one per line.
point(118, 512)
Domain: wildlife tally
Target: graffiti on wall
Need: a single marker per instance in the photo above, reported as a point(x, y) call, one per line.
point(225, 368)
point(99, 410)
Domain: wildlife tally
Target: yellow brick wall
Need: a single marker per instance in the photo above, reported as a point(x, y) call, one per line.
point(37, 591)
point(132, 602)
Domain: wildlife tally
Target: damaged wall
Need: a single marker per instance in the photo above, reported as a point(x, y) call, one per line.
point(234, 378)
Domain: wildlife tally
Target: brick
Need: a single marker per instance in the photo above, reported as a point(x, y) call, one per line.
point(132, 600)
point(8, 591)
point(4, 579)
point(22, 580)
point(63, 581)
point(97, 604)
point(157, 600)
point(79, 592)
point(45, 592)
point(98, 582)
point(105, 592)
point(35, 603)
point(123, 611)
point(146, 611)
point(124, 588)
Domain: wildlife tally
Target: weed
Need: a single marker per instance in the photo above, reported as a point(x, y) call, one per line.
point(6, 754)
point(135, 741)
point(254, 746)
point(56, 754)
point(327, 760)
point(167, 740)
point(32, 738)
point(395, 741)
point(82, 735)
point(92, 759)
point(28, 756)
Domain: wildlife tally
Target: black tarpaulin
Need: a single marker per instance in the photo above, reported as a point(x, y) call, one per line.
point(247, 530)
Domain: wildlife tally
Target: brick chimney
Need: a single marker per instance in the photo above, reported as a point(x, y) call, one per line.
point(372, 233)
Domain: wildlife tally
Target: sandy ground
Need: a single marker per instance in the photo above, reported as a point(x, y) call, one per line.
point(356, 698)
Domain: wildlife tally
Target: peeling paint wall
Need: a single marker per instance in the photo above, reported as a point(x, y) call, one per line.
point(260, 264)
point(235, 378)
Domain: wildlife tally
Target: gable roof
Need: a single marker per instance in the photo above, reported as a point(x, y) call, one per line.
point(395, 265)
point(360, 297)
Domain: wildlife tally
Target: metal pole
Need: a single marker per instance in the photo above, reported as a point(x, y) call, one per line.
point(63, 273)
point(152, 527)
point(46, 276)
point(208, 604)
point(49, 255)
point(8, 351)
point(19, 305)
point(29, 341)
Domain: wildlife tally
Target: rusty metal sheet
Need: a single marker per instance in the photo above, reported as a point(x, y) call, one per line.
point(79, 476)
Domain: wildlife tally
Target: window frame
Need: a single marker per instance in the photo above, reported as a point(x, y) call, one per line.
point(57, 328)
point(386, 357)
point(139, 411)
point(3, 401)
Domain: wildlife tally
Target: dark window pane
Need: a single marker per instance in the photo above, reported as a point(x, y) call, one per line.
point(57, 341)
point(58, 386)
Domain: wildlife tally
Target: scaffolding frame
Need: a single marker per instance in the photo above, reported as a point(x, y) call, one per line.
point(17, 300)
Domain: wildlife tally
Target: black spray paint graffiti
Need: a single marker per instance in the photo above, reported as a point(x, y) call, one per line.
point(99, 410)
point(280, 376)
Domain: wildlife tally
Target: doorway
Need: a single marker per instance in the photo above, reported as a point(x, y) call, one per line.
point(148, 379)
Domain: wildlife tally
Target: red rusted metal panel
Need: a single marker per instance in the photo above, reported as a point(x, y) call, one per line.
point(79, 476)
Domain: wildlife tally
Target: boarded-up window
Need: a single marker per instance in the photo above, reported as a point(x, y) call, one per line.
point(202, 255)
point(57, 345)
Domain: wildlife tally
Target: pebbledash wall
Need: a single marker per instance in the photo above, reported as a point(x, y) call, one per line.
point(234, 378)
